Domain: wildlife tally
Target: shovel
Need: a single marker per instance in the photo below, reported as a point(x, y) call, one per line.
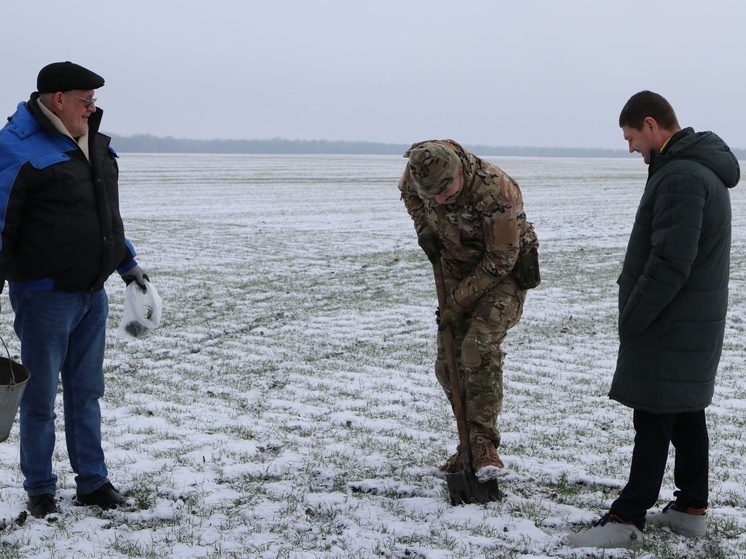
point(463, 486)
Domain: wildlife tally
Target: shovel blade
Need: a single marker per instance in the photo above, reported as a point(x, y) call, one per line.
point(465, 488)
point(458, 488)
point(485, 492)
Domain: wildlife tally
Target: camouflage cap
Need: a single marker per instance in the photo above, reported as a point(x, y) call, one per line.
point(432, 167)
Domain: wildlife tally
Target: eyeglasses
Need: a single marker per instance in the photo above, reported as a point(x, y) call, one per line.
point(88, 102)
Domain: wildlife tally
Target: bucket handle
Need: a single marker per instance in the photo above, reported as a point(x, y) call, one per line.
point(10, 364)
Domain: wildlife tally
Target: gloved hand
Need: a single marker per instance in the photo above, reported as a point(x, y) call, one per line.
point(136, 274)
point(431, 245)
point(451, 318)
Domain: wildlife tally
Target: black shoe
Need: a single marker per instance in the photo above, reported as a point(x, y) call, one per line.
point(105, 497)
point(41, 505)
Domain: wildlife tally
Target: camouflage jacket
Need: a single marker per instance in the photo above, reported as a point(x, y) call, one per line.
point(482, 231)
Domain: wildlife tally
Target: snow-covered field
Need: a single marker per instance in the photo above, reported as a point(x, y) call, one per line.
point(287, 408)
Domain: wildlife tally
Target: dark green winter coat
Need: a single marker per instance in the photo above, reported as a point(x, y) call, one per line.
point(673, 289)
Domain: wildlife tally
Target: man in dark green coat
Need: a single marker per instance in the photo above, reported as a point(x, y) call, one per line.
point(673, 298)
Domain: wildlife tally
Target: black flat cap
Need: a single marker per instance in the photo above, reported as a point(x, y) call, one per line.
point(66, 76)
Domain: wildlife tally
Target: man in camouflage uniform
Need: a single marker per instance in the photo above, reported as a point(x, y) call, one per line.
point(469, 214)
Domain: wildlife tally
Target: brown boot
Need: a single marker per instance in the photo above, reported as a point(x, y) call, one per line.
point(453, 465)
point(486, 462)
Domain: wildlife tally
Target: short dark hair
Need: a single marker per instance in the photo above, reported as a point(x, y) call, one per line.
point(647, 104)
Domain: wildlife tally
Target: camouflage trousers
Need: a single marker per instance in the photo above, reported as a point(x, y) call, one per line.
point(480, 358)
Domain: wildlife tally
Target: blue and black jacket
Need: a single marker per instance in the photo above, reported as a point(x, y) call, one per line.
point(59, 213)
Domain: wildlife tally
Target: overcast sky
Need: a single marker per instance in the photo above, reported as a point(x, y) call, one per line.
point(495, 72)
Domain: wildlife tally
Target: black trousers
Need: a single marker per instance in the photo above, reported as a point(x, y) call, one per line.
point(653, 434)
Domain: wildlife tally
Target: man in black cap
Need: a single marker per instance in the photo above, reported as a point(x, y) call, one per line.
point(61, 238)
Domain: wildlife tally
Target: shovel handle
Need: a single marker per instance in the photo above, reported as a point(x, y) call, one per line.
point(448, 343)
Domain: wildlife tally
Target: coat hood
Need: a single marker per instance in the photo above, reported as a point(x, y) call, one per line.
point(706, 148)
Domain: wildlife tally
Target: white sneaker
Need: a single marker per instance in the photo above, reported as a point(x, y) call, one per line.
point(681, 523)
point(607, 534)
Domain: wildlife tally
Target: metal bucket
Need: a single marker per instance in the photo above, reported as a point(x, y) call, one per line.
point(13, 379)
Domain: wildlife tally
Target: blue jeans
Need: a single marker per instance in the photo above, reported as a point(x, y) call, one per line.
point(62, 334)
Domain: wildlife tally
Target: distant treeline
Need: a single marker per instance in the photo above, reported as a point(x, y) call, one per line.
point(147, 143)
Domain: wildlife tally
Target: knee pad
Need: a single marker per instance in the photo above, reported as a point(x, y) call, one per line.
point(470, 352)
